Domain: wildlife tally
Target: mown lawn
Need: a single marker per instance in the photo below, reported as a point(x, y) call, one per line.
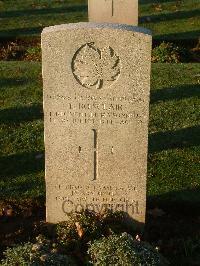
point(171, 20)
point(22, 174)
point(174, 151)
point(174, 141)
point(168, 20)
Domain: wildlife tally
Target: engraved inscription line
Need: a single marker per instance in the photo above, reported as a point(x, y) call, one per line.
point(95, 154)
point(112, 4)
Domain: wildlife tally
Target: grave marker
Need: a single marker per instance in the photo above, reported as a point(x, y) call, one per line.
point(113, 11)
point(96, 107)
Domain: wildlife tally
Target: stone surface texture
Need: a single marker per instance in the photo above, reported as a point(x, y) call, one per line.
point(113, 11)
point(96, 81)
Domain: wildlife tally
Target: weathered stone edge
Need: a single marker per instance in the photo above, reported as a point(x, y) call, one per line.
point(93, 25)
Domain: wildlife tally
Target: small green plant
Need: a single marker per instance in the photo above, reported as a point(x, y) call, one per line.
point(86, 225)
point(192, 246)
point(33, 54)
point(188, 247)
point(124, 250)
point(169, 53)
point(43, 252)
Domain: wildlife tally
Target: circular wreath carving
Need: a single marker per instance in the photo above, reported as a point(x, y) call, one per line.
point(94, 68)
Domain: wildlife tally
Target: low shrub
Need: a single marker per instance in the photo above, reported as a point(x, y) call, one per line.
point(88, 225)
point(121, 250)
point(169, 53)
point(19, 255)
point(43, 252)
point(79, 228)
point(69, 246)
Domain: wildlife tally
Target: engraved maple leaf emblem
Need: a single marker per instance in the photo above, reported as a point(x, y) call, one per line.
point(95, 68)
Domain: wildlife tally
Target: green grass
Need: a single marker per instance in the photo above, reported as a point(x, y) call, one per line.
point(28, 17)
point(171, 21)
point(166, 19)
point(21, 131)
point(174, 151)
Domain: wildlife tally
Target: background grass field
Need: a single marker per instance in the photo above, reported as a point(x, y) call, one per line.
point(168, 20)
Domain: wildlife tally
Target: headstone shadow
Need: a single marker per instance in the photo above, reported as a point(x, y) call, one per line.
point(179, 202)
point(176, 93)
point(21, 164)
point(145, 2)
point(186, 137)
point(187, 35)
point(9, 83)
point(18, 32)
point(17, 115)
point(43, 11)
point(171, 16)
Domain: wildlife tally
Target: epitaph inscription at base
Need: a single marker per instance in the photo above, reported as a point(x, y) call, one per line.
point(96, 106)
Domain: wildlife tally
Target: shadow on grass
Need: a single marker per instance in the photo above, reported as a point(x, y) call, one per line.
point(146, 2)
point(14, 82)
point(24, 185)
point(178, 93)
point(43, 11)
point(183, 138)
point(172, 16)
point(180, 202)
point(180, 35)
point(21, 31)
point(177, 225)
point(21, 114)
point(21, 164)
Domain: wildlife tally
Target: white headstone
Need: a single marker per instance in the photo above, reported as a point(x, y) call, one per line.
point(96, 107)
point(113, 11)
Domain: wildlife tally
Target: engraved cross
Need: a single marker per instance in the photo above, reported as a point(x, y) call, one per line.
point(95, 154)
point(112, 6)
point(95, 150)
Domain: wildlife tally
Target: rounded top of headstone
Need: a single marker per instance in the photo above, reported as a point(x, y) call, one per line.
point(93, 25)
